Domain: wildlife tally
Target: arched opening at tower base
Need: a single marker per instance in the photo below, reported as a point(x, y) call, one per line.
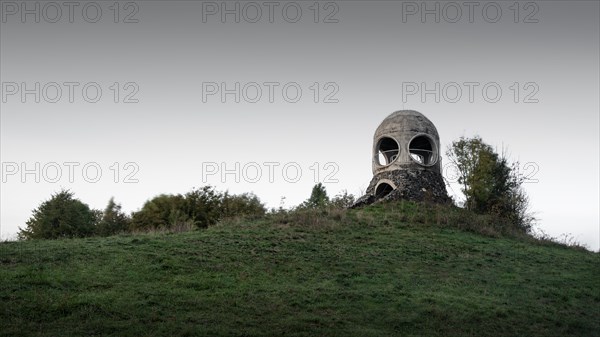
point(382, 190)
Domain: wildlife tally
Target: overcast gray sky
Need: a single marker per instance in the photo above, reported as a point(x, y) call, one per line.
point(312, 81)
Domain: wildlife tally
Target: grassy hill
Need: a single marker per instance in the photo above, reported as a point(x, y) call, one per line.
point(381, 271)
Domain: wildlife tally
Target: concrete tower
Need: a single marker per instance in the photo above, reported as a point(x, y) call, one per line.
point(406, 161)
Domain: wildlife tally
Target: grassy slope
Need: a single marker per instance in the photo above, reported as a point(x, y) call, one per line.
point(359, 276)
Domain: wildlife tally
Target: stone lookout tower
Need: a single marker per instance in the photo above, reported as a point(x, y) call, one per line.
point(406, 161)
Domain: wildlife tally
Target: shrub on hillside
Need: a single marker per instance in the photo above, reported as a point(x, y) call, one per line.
point(62, 216)
point(198, 208)
point(246, 204)
point(158, 212)
point(342, 200)
point(202, 206)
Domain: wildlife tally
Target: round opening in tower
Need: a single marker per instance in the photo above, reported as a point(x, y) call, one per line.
point(386, 151)
point(422, 150)
point(382, 190)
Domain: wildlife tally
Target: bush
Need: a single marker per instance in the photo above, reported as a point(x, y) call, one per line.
point(202, 207)
point(246, 204)
point(198, 208)
point(159, 212)
point(62, 216)
point(342, 200)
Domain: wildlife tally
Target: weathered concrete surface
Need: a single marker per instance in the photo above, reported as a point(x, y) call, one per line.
point(406, 161)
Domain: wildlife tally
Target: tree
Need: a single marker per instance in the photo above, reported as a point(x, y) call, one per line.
point(318, 197)
point(490, 184)
point(62, 216)
point(113, 220)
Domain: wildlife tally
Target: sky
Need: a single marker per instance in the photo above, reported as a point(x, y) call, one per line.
point(134, 99)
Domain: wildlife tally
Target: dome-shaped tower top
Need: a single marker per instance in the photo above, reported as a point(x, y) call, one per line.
point(406, 139)
point(407, 121)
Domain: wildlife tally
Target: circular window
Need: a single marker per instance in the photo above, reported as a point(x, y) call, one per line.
point(422, 150)
point(387, 151)
point(382, 190)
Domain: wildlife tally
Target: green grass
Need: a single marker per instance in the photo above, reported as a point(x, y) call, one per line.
point(380, 271)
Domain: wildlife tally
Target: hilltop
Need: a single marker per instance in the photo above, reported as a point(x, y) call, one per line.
point(379, 271)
